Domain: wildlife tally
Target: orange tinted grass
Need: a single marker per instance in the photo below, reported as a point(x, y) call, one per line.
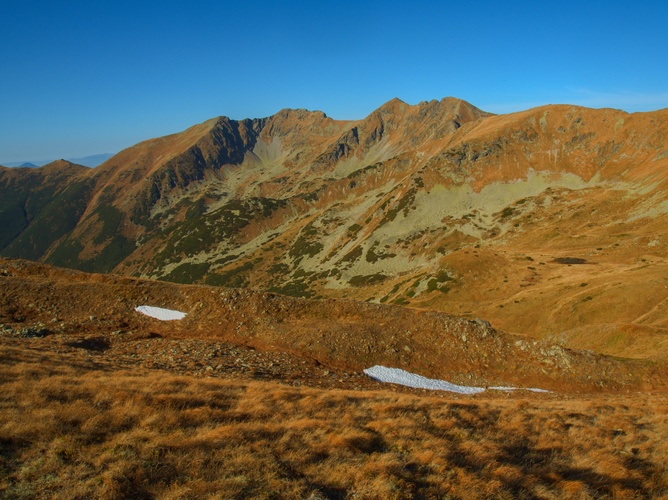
point(70, 430)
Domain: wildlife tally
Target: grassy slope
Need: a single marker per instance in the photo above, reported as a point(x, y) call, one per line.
point(345, 334)
point(75, 426)
point(113, 404)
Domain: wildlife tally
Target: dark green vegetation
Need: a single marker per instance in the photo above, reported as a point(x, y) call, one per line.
point(438, 282)
point(36, 211)
point(404, 204)
point(368, 279)
point(188, 273)
point(307, 243)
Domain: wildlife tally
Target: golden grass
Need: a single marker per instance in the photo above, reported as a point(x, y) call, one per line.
point(69, 429)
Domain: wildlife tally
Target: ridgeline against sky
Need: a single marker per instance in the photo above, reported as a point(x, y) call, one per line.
point(82, 78)
point(550, 221)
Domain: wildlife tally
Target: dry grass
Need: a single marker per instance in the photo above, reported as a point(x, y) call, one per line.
point(70, 429)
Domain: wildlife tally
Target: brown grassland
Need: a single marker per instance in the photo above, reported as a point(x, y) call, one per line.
point(73, 425)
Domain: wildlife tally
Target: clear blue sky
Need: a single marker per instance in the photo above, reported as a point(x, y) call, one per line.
point(95, 76)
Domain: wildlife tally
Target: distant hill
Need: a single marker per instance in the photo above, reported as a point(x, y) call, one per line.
point(86, 161)
point(550, 222)
point(91, 161)
point(25, 164)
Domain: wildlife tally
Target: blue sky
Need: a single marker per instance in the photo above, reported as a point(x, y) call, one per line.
point(86, 77)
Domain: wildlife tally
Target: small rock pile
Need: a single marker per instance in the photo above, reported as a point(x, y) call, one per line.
point(27, 332)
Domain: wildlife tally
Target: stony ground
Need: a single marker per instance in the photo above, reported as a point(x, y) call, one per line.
point(190, 357)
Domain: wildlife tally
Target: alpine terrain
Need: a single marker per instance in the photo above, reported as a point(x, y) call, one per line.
point(549, 223)
point(431, 302)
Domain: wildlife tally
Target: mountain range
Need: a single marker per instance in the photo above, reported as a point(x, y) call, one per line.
point(86, 161)
point(549, 223)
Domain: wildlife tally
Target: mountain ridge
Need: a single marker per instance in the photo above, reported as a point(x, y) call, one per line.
point(438, 205)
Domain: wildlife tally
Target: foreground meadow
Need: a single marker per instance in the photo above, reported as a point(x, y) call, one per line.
point(72, 426)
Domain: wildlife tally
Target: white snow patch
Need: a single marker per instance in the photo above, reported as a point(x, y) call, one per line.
point(532, 389)
point(160, 313)
point(402, 377)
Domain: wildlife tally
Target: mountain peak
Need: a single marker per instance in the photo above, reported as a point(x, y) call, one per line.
point(60, 165)
point(394, 105)
point(288, 122)
point(448, 105)
point(455, 105)
point(299, 113)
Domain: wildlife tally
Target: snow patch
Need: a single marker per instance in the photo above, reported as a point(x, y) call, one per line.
point(503, 388)
point(402, 377)
point(160, 313)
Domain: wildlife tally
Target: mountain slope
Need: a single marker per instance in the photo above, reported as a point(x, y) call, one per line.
point(254, 394)
point(548, 222)
point(40, 205)
point(338, 334)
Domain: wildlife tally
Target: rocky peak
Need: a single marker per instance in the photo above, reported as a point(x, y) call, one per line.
point(288, 121)
point(393, 106)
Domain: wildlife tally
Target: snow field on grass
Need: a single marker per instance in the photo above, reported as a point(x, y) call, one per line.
point(160, 313)
point(402, 377)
